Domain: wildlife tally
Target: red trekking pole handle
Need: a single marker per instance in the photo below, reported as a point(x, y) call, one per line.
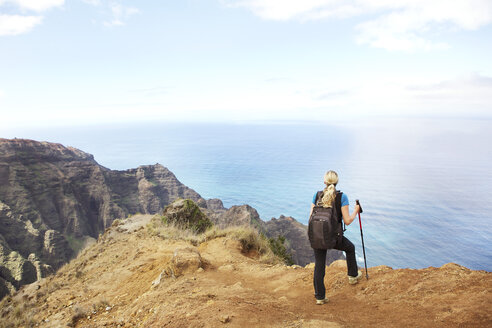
point(362, 238)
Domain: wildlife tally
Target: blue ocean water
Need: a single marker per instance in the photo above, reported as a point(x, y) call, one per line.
point(425, 185)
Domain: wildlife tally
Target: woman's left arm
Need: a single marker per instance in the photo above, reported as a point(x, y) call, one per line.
point(347, 218)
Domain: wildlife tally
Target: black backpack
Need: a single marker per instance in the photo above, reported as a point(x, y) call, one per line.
point(325, 228)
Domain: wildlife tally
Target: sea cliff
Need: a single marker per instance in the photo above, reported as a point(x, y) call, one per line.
point(55, 200)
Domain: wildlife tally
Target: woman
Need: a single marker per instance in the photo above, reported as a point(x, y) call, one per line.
point(331, 197)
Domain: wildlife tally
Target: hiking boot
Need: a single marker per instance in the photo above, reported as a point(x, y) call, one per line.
point(321, 302)
point(354, 280)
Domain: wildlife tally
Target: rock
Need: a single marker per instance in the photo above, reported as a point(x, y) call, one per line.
point(157, 281)
point(297, 242)
point(237, 285)
point(383, 268)
point(342, 264)
point(17, 270)
point(215, 204)
point(185, 260)
point(227, 268)
point(185, 213)
point(225, 318)
point(240, 215)
point(56, 249)
point(454, 267)
point(310, 265)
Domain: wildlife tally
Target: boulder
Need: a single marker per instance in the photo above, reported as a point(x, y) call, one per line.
point(185, 213)
point(342, 264)
point(185, 260)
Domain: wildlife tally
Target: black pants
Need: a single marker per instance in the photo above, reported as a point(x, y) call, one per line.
point(320, 264)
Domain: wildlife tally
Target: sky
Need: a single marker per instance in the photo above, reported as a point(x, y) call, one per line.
point(72, 62)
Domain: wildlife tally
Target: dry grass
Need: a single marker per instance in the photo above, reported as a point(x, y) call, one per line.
point(250, 239)
point(78, 313)
point(100, 304)
point(170, 231)
point(16, 313)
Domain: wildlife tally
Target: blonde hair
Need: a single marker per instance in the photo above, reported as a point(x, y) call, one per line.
point(329, 193)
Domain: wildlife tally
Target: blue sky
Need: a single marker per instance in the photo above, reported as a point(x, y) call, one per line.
point(97, 61)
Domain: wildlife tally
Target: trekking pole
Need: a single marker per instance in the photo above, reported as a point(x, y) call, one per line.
point(362, 238)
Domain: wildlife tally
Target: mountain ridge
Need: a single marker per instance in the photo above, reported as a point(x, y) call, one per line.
point(55, 199)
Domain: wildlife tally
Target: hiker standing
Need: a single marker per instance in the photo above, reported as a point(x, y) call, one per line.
point(330, 206)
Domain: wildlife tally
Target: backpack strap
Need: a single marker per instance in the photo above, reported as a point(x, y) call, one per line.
point(338, 204)
point(318, 195)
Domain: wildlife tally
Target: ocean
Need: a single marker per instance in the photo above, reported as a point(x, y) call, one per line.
point(425, 184)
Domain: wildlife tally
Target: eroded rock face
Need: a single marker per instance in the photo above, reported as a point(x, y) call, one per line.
point(56, 249)
point(6, 288)
point(240, 215)
point(15, 269)
point(215, 204)
point(51, 194)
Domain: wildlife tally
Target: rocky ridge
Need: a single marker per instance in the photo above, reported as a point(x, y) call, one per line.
point(56, 199)
point(131, 278)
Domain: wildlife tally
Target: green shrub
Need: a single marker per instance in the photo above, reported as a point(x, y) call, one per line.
point(186, 214)
point(278, 248)
point(76, 244)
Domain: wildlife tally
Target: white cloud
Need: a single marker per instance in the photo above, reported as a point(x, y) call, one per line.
point(16, 24)
point(283, 10)
point(394, 25)
point(35, 5)
point(120, 13)
point(469, 95)
point(93, 2)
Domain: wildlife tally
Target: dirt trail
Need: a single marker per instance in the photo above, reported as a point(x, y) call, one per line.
point(114, 283)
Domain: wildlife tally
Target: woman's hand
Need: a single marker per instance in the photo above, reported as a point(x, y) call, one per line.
point(357, 208)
